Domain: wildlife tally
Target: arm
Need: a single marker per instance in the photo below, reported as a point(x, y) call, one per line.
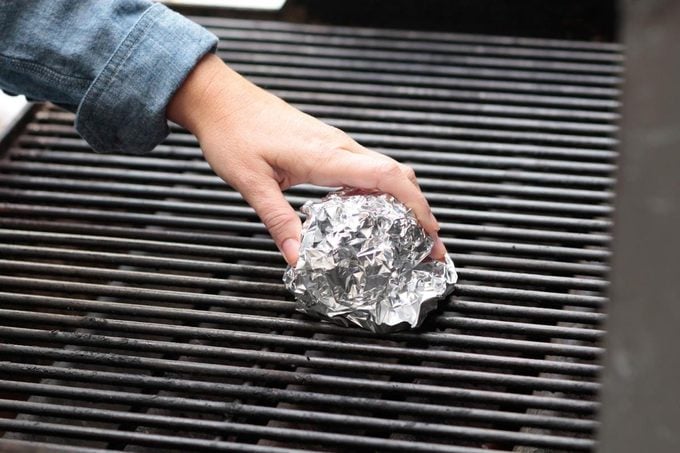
point(126, 66)
point(116, 62)
point(261, 145)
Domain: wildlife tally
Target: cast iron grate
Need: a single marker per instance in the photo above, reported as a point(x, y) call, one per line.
point(141, 303)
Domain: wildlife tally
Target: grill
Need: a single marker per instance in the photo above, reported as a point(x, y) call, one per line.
point(141, 299)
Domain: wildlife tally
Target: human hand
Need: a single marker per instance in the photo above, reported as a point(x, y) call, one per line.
point(261, 145)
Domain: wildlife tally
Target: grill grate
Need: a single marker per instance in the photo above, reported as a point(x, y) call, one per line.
point(141, 299)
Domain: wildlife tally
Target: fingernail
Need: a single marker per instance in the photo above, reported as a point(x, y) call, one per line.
point(438, 249)
point(433, 219)
point(290, 249)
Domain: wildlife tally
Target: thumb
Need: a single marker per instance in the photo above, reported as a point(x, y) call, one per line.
point(277, 215)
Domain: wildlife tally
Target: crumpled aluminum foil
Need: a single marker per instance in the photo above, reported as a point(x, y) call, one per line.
point(364, 260)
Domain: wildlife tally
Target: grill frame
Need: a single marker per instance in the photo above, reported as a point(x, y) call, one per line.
point(551, 254)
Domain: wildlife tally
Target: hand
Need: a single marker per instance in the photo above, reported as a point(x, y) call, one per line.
point(260, 145)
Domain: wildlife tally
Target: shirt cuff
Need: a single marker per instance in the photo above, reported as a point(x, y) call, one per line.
point(123, 110)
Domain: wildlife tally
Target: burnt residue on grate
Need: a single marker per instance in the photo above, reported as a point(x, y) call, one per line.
point(141, 303)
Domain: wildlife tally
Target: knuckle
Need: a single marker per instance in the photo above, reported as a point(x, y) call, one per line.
point(276, 220)
point(388, 169)
point(329, 138)
point(340, 140)
point(336, 132)
point(409, 172)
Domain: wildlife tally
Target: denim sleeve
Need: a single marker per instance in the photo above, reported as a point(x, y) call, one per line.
point(117, 63)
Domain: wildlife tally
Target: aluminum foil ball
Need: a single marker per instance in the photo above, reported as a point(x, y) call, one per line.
point(364, 260)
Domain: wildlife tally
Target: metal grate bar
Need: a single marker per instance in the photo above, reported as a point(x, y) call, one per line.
point(255, 35)
point(278, 395)
point(293, 359)
point(453, 214)
point(396, 129)
point(245, 320)
point(162, 190)
point(333, 51)
point(545, 91)
point(142, 307)
point(408, 35)
point(297, 415)
point(73, 432)
point(471, 158)
point(462, 341)
point(266, 432)
point(556, 267)
point(437, 197)
point(456, 72)
point(175, 152)
point(471, 200)
point(290, 360)
point(56, 118)
point(265, 271)
point(447, 106)
point(443, 77)
point(22, 445)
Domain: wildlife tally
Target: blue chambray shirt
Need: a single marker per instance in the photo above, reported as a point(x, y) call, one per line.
point(117, 63)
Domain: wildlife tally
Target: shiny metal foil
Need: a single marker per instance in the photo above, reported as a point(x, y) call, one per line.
point(364, 261)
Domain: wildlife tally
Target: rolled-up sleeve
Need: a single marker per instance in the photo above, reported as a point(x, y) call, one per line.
point(116, 63)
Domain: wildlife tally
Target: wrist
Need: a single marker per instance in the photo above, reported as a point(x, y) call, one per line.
point(208, 95)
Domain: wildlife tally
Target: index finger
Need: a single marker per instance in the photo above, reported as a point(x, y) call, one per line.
point(364, 171)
